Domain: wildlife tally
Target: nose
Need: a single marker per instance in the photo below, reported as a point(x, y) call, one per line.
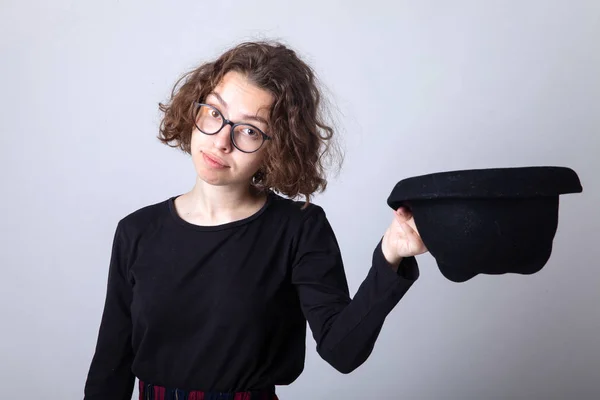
point(222, 140)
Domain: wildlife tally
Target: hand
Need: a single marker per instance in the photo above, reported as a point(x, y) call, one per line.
point(402, 238)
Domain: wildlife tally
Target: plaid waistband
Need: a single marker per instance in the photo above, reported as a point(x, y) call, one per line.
point(149, 391)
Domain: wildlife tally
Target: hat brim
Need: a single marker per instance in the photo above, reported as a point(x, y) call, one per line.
point(512, 182)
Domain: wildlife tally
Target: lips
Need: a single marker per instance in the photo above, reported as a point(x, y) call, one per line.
point(215, 160)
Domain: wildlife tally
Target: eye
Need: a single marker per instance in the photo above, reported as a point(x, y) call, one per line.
point(250, 132)
point(214, 114)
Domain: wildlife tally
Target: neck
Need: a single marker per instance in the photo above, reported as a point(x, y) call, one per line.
point(209, 204)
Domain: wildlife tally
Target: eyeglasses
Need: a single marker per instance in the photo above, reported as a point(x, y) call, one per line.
point(245, 137)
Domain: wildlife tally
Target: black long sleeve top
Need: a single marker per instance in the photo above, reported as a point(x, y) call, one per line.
point(225, 307)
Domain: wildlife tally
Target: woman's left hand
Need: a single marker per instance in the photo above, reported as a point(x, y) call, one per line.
point(402, 238)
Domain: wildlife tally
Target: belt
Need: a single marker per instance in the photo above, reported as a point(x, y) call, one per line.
point(149, 391)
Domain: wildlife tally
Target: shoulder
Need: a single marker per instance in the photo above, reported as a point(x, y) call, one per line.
point(295, 210)
point(142, 218)
point(303, 221)
point(306, 226)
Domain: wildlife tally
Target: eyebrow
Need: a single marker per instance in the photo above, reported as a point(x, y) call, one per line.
point(244, 116)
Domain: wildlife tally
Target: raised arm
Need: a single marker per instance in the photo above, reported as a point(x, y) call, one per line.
point(344, 329)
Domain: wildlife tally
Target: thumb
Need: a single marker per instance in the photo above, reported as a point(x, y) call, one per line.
point(402, 215)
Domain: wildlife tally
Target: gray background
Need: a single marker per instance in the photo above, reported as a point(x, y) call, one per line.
point(420, 86)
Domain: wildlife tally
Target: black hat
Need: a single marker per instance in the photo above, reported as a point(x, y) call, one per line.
point(487, 221)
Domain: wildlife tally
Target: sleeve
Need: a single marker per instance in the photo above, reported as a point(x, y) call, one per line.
point(110, 375)
point(345, 329)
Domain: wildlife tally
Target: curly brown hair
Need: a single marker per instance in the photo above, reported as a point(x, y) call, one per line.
point(302, 144)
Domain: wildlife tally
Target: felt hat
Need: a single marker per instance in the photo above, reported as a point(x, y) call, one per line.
point(487, 221)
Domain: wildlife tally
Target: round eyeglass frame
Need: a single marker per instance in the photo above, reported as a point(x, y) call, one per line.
point(195, 109)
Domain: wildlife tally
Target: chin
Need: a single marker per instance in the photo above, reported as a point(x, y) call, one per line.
point(211, 177)
point(215, 178)
point(223, 177)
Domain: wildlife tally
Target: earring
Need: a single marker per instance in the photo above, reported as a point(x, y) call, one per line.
point(258, 177)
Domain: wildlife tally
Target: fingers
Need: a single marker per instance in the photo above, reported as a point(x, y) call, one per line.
point(412, 236)
point(404, 216)
point(411, 223)
point(407, 225)
point(408, 230)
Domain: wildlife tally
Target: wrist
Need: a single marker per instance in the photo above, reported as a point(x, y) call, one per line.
point(392, 259)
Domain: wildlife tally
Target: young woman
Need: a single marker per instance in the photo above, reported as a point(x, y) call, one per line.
point(209, 292)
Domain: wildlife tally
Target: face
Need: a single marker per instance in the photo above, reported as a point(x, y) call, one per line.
point(216, 160)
